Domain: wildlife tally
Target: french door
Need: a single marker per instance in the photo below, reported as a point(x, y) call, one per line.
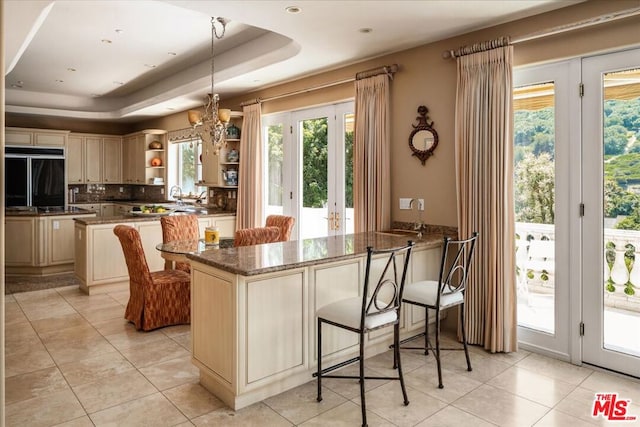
point(611, 238)
point(543, 168)
point(309, 169)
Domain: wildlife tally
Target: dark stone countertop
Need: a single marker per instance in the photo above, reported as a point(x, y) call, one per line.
point(26, 211)
point(119, 219)
point(271, 257)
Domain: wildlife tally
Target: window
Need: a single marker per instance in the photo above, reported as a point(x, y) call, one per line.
point(185, 169)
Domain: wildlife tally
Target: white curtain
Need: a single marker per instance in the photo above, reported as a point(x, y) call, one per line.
point(371, 154)
point(249, 208)
point(484, 166)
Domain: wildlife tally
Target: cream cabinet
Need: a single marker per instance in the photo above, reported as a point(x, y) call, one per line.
point(94, 159)
point(107, 209)
point(40, 245)
point(255, 335)
point(75, 160)
point(133, 159)
point(216, 165)
point(226, 224)
point(112, 160)
point(21, 237)
point(143, 164)
point(37, 137)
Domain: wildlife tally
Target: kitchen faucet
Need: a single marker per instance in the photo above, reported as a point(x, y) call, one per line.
point(418, 225)
point(173, 194)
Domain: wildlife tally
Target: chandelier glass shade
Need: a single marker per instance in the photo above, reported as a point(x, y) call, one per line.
point(211, 123)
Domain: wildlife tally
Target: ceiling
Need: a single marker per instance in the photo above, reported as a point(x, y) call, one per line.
point(123, 61)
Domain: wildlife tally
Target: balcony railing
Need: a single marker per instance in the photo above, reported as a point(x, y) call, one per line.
point(621, 284)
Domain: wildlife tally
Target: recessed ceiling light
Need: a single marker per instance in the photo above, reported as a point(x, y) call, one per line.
point(172, 53)
point(365, 30)
point(293, 9)
point(17, 85)
point(119, 31)
point(170, 108)
point(106, 41)
point(59, 81)
point(118, 83)
point(71, 69)
point(149, 65)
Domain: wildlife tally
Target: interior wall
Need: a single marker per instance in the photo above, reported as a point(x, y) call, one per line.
point(425, 78)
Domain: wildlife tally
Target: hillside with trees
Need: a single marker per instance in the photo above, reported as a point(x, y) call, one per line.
point(534, 168)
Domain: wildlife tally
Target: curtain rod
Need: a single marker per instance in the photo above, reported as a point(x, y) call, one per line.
point(597, 20)
point(387, 69)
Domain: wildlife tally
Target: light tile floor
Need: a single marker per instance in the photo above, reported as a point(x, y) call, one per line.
point(72, 360)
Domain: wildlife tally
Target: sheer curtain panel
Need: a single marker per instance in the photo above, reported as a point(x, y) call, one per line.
point(371, 154)
point(249, 208)
point(484, 165)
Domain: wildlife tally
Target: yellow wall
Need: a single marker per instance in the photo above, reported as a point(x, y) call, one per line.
point(425, 78)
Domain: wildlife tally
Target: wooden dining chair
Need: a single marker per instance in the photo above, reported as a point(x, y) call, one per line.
point(179, 227)
point(156, 299)
point(285, 223)
point(256, 236)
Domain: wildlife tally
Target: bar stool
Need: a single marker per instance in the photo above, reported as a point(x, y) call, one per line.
point(447, 292)
point(378, 307)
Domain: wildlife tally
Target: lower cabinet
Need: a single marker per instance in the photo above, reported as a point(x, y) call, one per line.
point(100, 265)
point(255, 336)
point(40, 245)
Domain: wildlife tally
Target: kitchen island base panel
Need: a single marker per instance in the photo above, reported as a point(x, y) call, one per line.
point(105, 288)
point(254, 336)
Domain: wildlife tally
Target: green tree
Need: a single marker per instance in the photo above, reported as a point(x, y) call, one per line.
point(618, 201)
point(348, 169)
point(276, 159)
point(535, 189)
point(314, 163)
point(615, 139)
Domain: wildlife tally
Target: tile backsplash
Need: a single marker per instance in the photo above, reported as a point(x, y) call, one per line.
point(224, 199)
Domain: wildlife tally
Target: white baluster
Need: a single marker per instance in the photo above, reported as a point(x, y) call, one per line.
point(634, 276)
point(619, 272)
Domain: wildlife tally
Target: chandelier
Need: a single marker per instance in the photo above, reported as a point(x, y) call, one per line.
point(211, 125)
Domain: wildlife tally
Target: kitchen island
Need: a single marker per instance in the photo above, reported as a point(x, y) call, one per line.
point(99, 262)
point(253, 309)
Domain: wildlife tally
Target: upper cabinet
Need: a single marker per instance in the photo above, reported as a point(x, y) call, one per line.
point(36, 137)
point(94, 159)
point(221, 169)
point(144, 157)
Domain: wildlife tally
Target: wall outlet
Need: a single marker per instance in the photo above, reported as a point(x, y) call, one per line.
point(122, 189)
point(162, 191)
point(56, 225)
point(210, 193)
point(405, 203)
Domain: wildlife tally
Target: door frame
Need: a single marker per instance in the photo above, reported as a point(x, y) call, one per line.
point(565, 342)
point(592, 68)
point(292, 158)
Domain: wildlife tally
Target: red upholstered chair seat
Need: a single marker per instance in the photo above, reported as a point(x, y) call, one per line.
point(256, 236)
point(180, 227)
point(157, 299)
point(285, 223)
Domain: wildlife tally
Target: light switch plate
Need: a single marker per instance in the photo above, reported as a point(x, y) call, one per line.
point(405, 203)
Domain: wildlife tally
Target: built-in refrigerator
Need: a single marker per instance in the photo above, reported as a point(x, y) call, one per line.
point(34, 176)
